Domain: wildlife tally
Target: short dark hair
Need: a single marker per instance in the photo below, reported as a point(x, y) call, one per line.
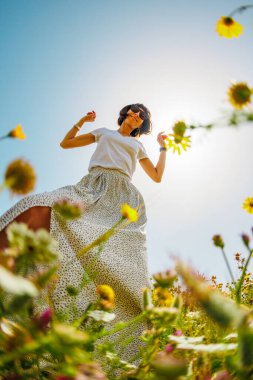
point(146, 126)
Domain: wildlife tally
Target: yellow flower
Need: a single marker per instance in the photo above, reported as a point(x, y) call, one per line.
point(17, 133)
point(129, 213)
point(177, 140)
point(227, 27)
point(179, 129)
point(106, 292)
point(162, 297)
point(20, 177)
point(239, 95)
point(107, 297)
point(248, 205)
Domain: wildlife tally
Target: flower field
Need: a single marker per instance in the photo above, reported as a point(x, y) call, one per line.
point(199, 329)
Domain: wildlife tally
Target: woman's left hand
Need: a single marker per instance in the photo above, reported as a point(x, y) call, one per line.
point(160, 138)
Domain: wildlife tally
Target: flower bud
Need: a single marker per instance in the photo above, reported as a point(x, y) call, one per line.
point(68, 209)
point(169, 348)
point(218, 242)
point(245, 239)
point(178, 333)
point(165, 279)
point(222, 375)
point(42, 321)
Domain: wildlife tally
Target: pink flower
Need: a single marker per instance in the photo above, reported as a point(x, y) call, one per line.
point(178, 333)
point(42, 321)
point(169, 348)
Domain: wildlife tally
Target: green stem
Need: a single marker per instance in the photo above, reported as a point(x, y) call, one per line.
point(240, 9)
point(101, 239)
point(121, 326)
point(239, 286)
point(228, 266)
point(4, 137)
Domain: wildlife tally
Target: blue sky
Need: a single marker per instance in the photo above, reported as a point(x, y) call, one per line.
point(61, 59)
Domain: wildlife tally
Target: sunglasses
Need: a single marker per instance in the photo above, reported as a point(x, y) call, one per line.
point(143, 115)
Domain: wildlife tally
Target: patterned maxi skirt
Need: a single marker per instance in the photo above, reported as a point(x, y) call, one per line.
point(122, 263)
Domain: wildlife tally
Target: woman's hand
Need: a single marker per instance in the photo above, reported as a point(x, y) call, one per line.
point(90, 117)
point(160, 138)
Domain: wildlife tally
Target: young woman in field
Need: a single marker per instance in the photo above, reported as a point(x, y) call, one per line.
point(122, 264)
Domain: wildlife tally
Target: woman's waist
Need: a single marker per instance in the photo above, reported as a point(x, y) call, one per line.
point(110, 171)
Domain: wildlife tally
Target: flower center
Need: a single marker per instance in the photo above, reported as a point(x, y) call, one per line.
point(228, 21)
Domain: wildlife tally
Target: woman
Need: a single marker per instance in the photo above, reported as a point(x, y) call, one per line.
point(122, 263)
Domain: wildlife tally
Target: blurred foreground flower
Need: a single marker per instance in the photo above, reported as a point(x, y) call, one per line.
point(38, 245)
point(107, 297)
point(227, 27)
point(177, 139)
point(18, 285)
point(19, 177)
point(42, 321)
point(221, 309)
point(165, 279)
point(87, 371)
point(17, 132)
point(248, 205)
point(129, 213)
point(68, 209)
point(239, 95)
point(166, 366)
point(162, 297)
point(90, 371)
point(106, 292)
point(100, 315)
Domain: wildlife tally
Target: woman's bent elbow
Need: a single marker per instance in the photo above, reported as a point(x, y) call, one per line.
point(157, 180)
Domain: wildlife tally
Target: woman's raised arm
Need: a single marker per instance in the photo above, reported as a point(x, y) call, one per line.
point(70, 141)
point(156, 172)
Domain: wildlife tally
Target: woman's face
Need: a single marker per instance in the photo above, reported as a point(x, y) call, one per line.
point(134, 119)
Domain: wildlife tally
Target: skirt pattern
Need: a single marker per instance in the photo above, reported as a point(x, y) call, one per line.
point(122, 263)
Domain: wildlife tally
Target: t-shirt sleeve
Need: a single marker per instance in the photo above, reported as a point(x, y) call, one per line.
point(142, 153)
point(98, 133)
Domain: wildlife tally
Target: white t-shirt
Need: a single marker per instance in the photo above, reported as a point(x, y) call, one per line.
point(116, 151)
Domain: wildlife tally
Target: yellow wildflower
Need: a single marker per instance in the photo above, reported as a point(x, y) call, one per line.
point(107, 297)
point(227, 27)
point(17, 132)
point(177, 142)
point(20, 177)
point(129, 213)
point(248, 205)
point(106, 292)
point(239, 95)
point(162, 297)
point(177, 139)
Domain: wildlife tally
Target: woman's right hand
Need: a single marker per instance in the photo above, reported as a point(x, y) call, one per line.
point(90, 116)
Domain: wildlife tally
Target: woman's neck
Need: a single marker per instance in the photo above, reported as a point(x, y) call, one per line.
point(126, 130)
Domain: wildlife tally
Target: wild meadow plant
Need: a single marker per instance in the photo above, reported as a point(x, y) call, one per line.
point(199, 328)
